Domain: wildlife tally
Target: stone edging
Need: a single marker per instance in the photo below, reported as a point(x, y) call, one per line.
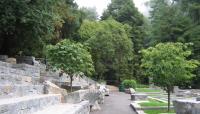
point(136, 107)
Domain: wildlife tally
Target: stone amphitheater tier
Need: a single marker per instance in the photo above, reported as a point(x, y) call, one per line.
point(22, 93)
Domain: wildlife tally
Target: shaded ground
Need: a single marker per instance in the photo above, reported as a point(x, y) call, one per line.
point(116, 103)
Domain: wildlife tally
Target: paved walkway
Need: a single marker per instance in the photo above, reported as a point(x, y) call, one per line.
point(116, 103)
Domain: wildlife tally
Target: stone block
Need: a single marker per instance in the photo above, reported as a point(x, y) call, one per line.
point(28, 104)
point(26, 59)
point(73, 97)
point(11, 60)
point(51, 88)
point(96, 106)
point(80, 108)
point(137, 97)
point(187, 106)
point(3, 58)
point(132, 91)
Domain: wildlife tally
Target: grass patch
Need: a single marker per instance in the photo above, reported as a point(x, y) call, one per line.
point(159, 111)
point(146, 90)
point(142, 86)
point(153, 103)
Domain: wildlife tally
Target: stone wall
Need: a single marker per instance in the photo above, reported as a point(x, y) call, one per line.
point(8, 91)
point(18, 71)
point(90, 95)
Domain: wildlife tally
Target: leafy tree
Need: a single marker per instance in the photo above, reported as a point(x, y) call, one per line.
point(191, 8)
point(168, 65)
point(70, 57)
point(168, 21)
point(88, 29)
point(176, 21)
point(89, 13)
point(111, 48)
point(193, 35)
point(124, 11)
point(26, 25)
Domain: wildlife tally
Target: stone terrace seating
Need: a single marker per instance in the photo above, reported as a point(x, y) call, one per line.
point(22, 93)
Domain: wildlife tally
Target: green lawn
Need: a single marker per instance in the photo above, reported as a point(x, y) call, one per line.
point(142, 86)
point(147, 90)
point(152, 103)
point(158, 111)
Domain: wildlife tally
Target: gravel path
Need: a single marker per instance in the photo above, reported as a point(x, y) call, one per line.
point(116, 103)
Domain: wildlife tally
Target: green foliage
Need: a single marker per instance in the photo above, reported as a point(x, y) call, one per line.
point(25, 25)
point(89, 13)
point(176, 20)
point(111, 48)
point(168, 64)
point(28, 25)
point(70, 57)
point(129, 84)
point(124, 11)
point(88, 29)
point(168, 21)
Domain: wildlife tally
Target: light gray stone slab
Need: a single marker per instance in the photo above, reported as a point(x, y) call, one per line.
point(28, 104)
point(187, 106)
point(138, 96)
point(80, 108)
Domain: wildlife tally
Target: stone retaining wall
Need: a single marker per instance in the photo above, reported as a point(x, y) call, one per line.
point(21, 69)
point(15, 71)
point(81, 95)
point(8, 91)
point(27, 105)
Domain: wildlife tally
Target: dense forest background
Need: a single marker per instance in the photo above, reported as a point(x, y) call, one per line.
point(114, 40)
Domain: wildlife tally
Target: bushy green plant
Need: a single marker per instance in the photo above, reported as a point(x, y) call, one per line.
point(129, 84)
point(71, 58)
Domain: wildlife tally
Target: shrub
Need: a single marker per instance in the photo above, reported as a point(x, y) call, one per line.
point(129, 84)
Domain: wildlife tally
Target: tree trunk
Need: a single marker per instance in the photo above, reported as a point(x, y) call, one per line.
point(168, 92)
point(71, 79)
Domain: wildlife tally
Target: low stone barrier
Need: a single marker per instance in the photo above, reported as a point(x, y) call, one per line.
point(27, 105)
point(136, 97)
point(81, 95)
point(187, 106)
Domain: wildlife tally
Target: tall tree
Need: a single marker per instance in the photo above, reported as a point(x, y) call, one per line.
point(27, 26)
point(89, 13)
point(124, 11)
point(176, 20)
point(168, 21)
point(111, 48)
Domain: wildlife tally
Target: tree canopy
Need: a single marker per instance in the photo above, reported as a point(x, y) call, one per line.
point(168, 65)
point(174, 21)
point(124, 11)
point(110, 47)
point(70, 57)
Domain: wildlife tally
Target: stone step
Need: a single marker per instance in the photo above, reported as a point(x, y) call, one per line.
point(20, 69)
point(9, 91)
point(15, 79)
point(81, 108)
point(28, 104)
